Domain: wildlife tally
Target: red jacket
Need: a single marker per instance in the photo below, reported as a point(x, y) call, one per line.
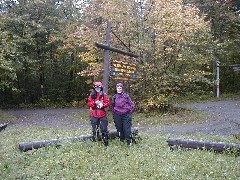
point(94, 111)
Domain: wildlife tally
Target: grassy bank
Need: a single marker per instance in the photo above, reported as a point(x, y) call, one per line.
point(182, 116)
point(150, 159)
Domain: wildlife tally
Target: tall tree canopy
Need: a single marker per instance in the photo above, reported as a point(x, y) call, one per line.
point(173, 39)
point(36, 32)
point(48, 50)
point(224, 16)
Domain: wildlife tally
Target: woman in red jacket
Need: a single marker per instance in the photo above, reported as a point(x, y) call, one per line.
point(97, 102)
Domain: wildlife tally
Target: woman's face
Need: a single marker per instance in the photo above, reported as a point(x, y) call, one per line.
point(119, 90)
point(97, 88)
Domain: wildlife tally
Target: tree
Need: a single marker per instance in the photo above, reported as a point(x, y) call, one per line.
point(224, 17)
point(39, 29)
point(170, 37)
point(7, 69)
point(49, 54)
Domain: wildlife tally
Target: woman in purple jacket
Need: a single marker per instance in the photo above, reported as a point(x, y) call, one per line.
point(122, 108)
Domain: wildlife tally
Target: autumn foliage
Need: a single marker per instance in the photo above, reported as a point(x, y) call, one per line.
point(48, 50)
point(171, 38)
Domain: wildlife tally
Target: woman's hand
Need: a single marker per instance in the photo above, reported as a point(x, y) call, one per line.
point(99, 104)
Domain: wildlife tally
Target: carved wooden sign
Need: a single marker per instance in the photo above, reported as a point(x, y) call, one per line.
point(123, 70)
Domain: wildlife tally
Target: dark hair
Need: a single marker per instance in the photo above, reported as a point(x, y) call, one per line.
point(94, 94)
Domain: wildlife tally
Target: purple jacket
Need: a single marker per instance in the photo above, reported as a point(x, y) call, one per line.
point(122, 104)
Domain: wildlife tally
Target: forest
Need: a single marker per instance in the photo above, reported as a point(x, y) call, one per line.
point(48, 52)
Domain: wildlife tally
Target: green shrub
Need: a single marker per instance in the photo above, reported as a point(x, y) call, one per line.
point(155, 104)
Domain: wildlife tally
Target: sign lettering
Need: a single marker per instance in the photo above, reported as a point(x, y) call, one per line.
point(123, 70)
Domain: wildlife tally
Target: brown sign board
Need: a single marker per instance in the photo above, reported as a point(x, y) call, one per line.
point(123, 70)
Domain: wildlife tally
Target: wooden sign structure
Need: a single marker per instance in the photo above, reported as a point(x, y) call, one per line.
point(107, 48)
point(236, 68)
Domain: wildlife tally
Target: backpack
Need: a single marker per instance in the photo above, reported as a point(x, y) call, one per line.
point(94, 94)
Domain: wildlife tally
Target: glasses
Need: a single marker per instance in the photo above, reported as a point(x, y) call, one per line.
point(97, 86)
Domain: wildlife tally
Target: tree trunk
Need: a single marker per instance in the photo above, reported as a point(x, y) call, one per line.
point(25, 146)
point(192, 144)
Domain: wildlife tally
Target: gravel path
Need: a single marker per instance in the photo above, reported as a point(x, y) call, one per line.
point(225, 119)
point(62, 118)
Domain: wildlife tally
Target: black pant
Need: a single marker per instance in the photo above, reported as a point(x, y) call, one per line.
point(123, 124)
point(103, 124)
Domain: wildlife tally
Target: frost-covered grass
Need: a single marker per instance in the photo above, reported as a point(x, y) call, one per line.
point(182, 116)
point(149, 159)
point(5, 118)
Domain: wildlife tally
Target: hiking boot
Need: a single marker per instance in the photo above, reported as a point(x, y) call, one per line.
point(105, 143)
point(94, 138)
point(99, 138)
point(129, 143)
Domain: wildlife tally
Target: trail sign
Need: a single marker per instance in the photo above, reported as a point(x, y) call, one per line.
point(123, 70)
point(107, 48)
point(236, 68)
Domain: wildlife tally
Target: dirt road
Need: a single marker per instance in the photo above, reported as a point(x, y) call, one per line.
point(225, 119)
point(62, 118)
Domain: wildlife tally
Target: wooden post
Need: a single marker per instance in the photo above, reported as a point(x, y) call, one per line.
point(106, 59)
point(218, 79)
point(107, 48)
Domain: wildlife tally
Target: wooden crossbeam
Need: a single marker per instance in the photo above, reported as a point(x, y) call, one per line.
point(106, 47)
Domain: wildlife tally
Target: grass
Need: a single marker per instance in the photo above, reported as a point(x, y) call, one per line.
point(5, 118)
point(150, 159)
point(182, 116)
